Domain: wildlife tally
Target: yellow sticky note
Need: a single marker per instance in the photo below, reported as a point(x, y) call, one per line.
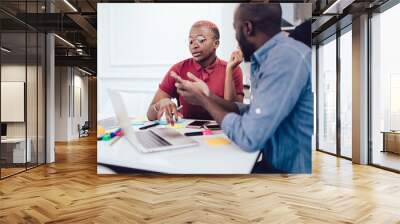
point(176, 126)
point(217, 141)
point(100, 130)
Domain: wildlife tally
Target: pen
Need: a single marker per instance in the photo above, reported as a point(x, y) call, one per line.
point(197, 133)
point(178, 109)
point(115, 139)
point(117, 135)
point(149, 126)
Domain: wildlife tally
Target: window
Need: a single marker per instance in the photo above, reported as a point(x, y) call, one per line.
point(346, 93)
point(327, 96)
point(385, 89)
point(22, 66)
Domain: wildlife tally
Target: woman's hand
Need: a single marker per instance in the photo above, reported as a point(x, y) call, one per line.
point(168, 108)
point(235, 60)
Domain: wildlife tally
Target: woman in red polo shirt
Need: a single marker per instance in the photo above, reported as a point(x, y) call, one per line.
point(224, 79)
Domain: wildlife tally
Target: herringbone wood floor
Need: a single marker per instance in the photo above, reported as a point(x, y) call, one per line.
point(70, 191)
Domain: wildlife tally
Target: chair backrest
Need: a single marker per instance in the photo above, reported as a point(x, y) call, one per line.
point(86, 125)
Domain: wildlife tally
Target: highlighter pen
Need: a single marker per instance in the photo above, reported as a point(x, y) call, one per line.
point(197, 133)
point(118, 135)
point(177, 109)
point(115, 139)
point(149, 126)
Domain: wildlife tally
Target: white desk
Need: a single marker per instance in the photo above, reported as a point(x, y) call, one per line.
point(18, 154)
point(200, 159)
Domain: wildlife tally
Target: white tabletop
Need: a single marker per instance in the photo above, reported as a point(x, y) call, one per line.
point(200, 159)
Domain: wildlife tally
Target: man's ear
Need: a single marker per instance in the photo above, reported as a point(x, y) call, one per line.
point(248, 28)
point(216, 44)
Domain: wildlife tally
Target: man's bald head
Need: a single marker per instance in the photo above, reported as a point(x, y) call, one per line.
point(265, 17)
point(207, 24)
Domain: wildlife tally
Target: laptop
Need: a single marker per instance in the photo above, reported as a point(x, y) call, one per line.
point(149, 140)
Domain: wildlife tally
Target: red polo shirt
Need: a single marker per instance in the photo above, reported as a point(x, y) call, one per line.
point(213, 75)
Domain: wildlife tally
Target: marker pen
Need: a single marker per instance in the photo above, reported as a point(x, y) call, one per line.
point(149, 126)
point(197, 133)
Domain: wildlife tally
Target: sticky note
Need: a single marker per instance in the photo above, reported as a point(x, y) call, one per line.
point(176, 126)
point(164, 122)
point(100, 130)
point(217, 141)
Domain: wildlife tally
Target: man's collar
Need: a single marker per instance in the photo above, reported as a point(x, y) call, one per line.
point(209, 68)
point(261, 53)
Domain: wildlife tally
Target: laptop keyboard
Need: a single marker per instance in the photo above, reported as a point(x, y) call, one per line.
point(149, 140)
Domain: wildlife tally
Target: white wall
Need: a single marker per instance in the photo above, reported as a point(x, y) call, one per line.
point(33, 126)
point(16, 73)
point(61, 103)
point(80, 109)
point(70, 84)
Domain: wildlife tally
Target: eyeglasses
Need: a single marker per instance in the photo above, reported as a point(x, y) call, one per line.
point(198, 39)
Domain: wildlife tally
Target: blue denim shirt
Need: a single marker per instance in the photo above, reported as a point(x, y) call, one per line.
point(279, 118)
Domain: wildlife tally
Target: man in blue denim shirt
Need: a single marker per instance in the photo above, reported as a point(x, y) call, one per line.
point(279, 119)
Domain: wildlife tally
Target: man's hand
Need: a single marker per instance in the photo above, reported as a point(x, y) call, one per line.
point(235, 60)
point(193, 90)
